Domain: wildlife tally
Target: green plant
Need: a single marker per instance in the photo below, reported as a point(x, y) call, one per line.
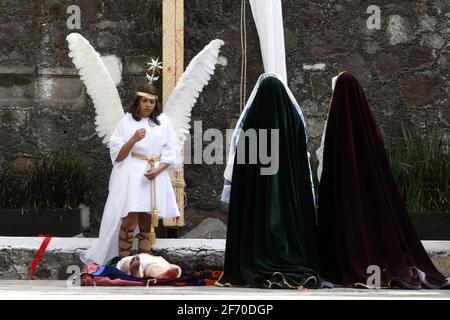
point(57, 180)
point(12, 186)
point(421, 169)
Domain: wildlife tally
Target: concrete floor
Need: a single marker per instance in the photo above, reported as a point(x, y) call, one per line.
point(57, 289)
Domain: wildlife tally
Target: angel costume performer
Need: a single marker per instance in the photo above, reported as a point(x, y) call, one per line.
point(129, 189)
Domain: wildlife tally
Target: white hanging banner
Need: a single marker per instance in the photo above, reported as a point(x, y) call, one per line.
point(268, 18)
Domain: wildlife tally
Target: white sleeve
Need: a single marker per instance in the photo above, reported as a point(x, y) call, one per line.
point(118, 139)
point(170, 152)
point(319, 153)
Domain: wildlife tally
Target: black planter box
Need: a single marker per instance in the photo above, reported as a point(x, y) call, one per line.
point(33, 222)
point(431, 226)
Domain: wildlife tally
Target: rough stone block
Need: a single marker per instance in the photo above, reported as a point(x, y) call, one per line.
point(314, 127)
point(12, 117)
point(321, 85)
point(392, 128)
point(107, 41)
point(16, 70)
point(434, 41)
point(136, 64)
point(11, 33)
point(372, 47)
point(60, 89)
point(443, 6)
point(319, 49)
point(17, 253)
point(23, 163)
point(420, 89)
point(358, 67)
point(195, 176)
point(420, 56)
point(445, 115)
point(399, 30)
point(388, 65)
point(315, 108)
point(291, 40)
point(427, 23)
point(60, 71)
point(444, 62)
point(17, 88)
point(210, 228)
point(9, 138)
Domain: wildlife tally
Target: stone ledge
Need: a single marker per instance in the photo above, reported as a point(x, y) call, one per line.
point(17, 70)
point(62, 255)
point(41, 89)
point(17, 253)
point(60, 71)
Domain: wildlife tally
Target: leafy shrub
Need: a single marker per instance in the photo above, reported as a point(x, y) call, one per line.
point(421, 169)
point(57, 180)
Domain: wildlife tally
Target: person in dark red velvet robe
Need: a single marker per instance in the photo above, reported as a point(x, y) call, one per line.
point(362, 220)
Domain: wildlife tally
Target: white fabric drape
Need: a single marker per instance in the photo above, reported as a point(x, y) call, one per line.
point(268, 18)
point(319, 152)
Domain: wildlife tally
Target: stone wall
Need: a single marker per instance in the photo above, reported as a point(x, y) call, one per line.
point(61, 258)
point(43, 104)
point(404, 67)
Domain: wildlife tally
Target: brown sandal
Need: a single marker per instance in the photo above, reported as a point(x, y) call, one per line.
point(125, 241)
point(146, 240)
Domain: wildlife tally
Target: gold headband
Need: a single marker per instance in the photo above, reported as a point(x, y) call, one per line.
point(147, 95)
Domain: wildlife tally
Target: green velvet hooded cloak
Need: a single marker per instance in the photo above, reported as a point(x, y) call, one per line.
point(271, 234)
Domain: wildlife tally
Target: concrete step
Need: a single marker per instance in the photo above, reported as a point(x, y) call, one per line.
point(62, 290)
point(61, 259)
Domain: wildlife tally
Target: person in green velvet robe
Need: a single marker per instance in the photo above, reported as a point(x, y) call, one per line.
point(271, 234)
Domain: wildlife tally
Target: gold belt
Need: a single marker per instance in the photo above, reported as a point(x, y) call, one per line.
point(150, 159)
point(154, 212)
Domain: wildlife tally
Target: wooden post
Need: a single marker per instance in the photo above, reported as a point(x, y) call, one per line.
point(173, 64)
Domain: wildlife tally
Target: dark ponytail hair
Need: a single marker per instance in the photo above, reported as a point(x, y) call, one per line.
point(134, 107)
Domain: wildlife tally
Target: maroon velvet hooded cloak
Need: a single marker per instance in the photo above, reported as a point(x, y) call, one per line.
point(362, 219)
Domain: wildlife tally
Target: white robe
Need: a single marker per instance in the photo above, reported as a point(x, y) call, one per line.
point(129, 189)
point(319, 152)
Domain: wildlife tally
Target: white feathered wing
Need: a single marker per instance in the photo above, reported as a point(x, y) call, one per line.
point(99, 84)
point(102, 90)
point(197, 75)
